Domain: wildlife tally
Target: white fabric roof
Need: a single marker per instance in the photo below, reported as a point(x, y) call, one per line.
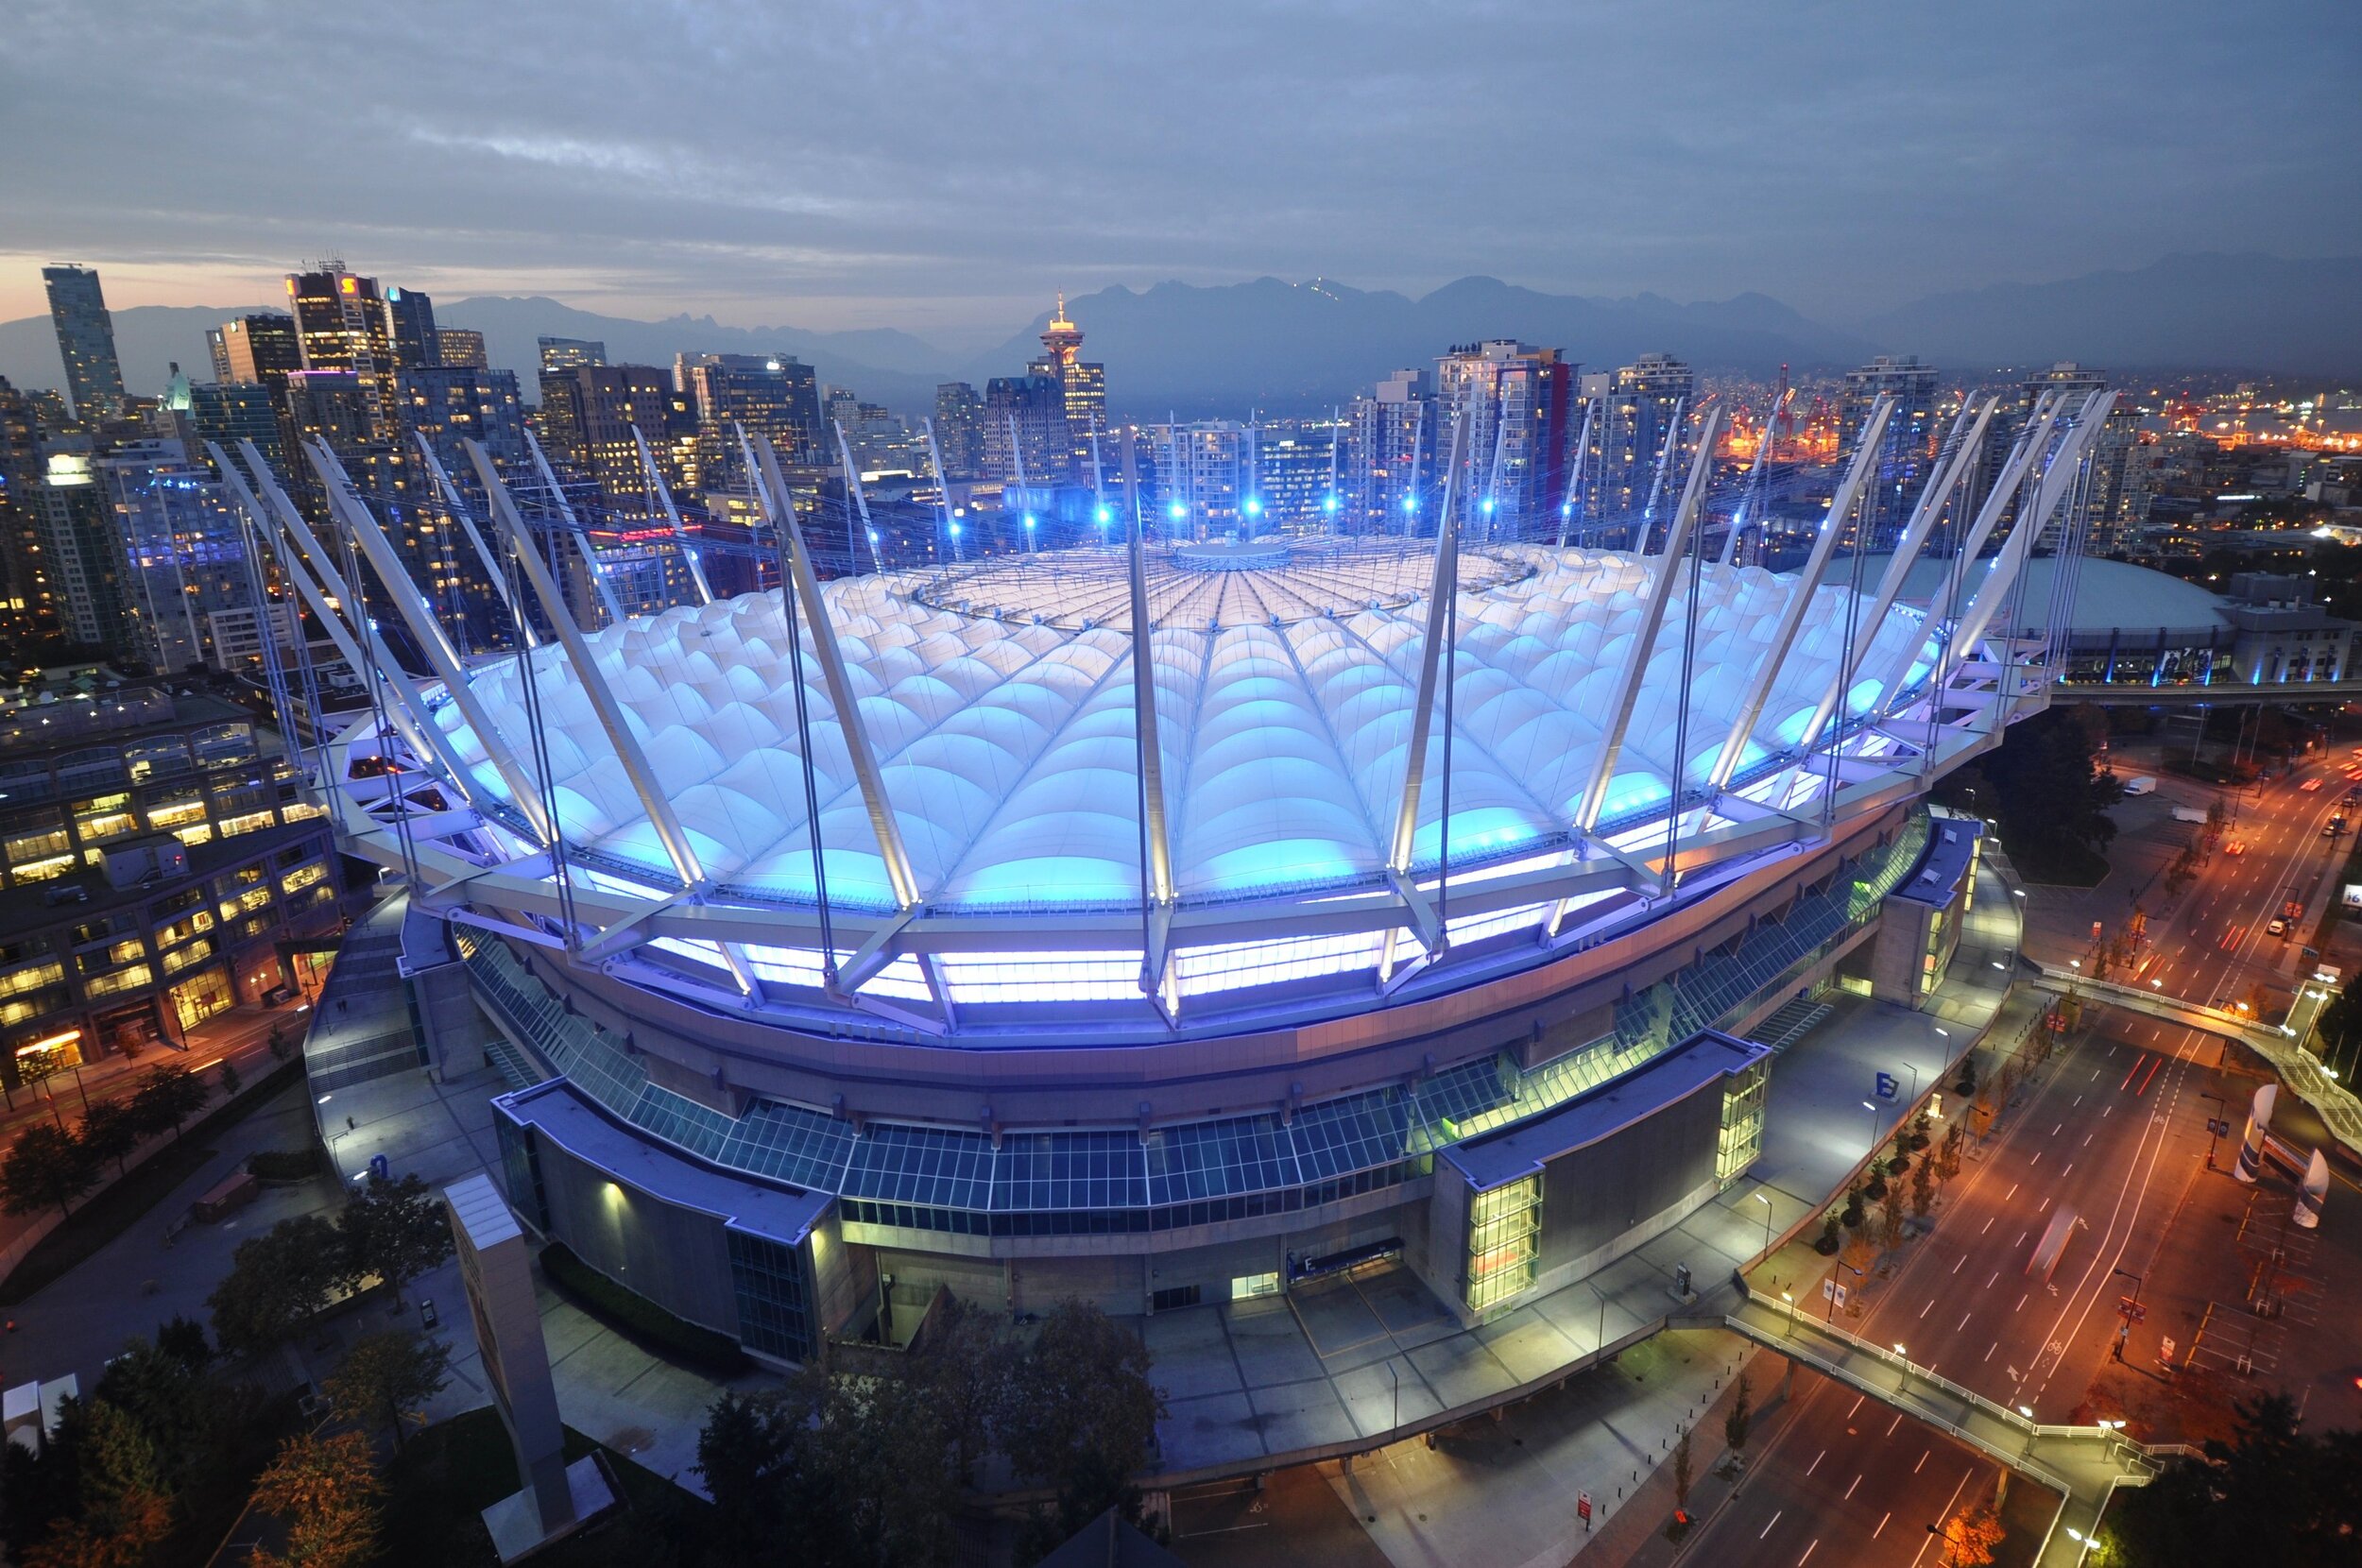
point(1008, 749)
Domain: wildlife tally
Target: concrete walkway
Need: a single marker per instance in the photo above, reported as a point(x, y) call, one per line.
point(1352, 1365)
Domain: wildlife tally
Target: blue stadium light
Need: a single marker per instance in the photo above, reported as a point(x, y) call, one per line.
point(955, 530)
point(1566, 508)
point(1176, 511)
point(1488, 507)
point(1030, 521)
point(1411, 503)
point(1254, 506)
point(1105, 517)
point(1328, 504)
point(873, 536)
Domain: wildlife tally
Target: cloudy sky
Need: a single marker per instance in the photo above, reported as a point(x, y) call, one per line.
point(940, 167)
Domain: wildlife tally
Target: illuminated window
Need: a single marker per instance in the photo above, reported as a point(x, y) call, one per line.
point(1504, 1241)
point(121, 979)
point(1248, 1287)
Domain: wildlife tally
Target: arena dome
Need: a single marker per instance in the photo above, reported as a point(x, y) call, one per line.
point(999, 702)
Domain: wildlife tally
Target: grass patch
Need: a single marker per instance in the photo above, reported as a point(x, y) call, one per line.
point(444, 1478)
point(639, 1320)
point(119, 1205)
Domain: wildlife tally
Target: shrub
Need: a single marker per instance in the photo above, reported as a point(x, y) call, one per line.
point(284, 1164)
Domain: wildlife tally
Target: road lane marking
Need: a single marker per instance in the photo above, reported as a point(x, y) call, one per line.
point(2021, 1238)
point(2035, 1160)
point(2022, 1301)
point(2079, 1099)
point(1989, 1220)
point(1882, 1524)
point(1807, 1557)
point(1849, 1491)
point(1895, 1422)
point(1816, 1461)
point(1929, 1307)
point(1989, 1349)
point(1775, 1519)
point(1963, 1323)
point(1857, 1398)
point(2070, 1166)
point(1923, 1462)
point(1995, 1280)
point(2061, 1127)
point(2087, 1140)
point(1956, 1268)
point(2105, 1109)
point(2013, 1192)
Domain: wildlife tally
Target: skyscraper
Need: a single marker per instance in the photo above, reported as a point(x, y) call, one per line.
point(23, 588)
point(231, 411)
point(587, 413)
point(256, 350)
point(183, 555)
point(1027, 437)
point(1905, 450)
point(773, 395)
point(410, 323)
point(570, 353)
point(81, 559)
point(1513, 402)
point(86, 341)
point(960, 429)
point(341, 325)
point(463, 346)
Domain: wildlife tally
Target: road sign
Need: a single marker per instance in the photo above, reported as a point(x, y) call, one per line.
point(1885, 1085)
point(2217, 1128)
point(2165, 1350)
point(1582, 1506)
point(2131, 1310)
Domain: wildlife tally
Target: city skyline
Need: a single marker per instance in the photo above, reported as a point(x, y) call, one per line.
point(1789, 154)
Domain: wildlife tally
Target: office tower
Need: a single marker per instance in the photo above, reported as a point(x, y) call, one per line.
point(773, 395)
point(86, 341)
point(1641, 431)
point(1391, 454)
point(960, 429)
point(463, 346)
point(588, 416)
point(1515, 404)
point(839, 409)
point(1032, 410)
point(256, 349)
point(450, 404)
point(570, 353)
point(1298, 467)
point(183, 555)
point(2071, 381)
point(1905, 451)
point(236, 410)
point(1083, 385)
point(410, 323)
point(81, 556)
point(341, 325)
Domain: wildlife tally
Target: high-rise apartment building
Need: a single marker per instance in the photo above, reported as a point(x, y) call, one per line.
point(86, 341)
point(1513, 402)
point(570, 353)
point(231, 411)
point(960, 429)
point(1084, 392)
point(1905, 450)
point(1207, 481)
point(81, 557)
point(1392, 457)
point(1641, 431)
point(462, 347)
point(23, 588)
point(341, 325)
point(259, 349)
point(410, 325)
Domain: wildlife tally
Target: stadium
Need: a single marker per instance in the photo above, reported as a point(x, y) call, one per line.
point(1166, 922)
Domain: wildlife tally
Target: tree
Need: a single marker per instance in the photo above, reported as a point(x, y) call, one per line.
point(389, 1374)
point(396, 1230)
point(1922, 1187)
point(2051, 793)
point(2271, 1494)
point(325, 1490)
point(742, 1451)
point(1890, 1220)
point(963, 1366)
point(1078, 1403)
point(47, 1165)
point(1948, 1155)
point(277, 1281)
point(183, 1340)
point(168, 1096)
point(126, 1509)
point(230, 1081)
point(110, 1130)
point(1680, 1472)
point(1741, 1415)
point(1971, 1535)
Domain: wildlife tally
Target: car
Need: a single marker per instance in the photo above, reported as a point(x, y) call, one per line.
point(2236, 846)
point(2308, 786)
point(2278, 927)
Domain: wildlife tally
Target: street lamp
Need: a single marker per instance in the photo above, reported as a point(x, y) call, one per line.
point(1791, 1311)
point(1907, 1368)
point(1767, 1218)
point(1874, 1125)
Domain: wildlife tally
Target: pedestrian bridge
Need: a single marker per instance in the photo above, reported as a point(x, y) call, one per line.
point(2083, 1464)
point(2135, 693)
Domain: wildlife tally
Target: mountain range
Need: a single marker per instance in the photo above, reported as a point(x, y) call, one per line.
point(1292, 347)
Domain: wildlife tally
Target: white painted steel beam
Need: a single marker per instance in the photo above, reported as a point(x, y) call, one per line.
point(771, 490)
point(574, 526)
point(1630, 679)
point(2056, 480)
point(1434, 668)
point(1800, 597)
point(612, 719)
